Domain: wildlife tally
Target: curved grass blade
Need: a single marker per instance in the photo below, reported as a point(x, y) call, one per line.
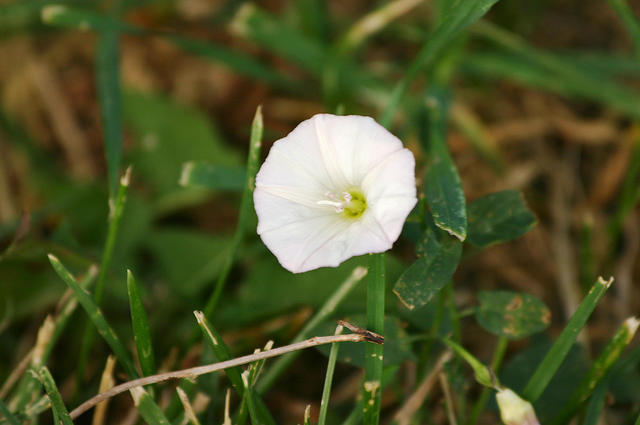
point(140, 325)
point(601, 365)
point(57, 405)
point(557, 353)
point(455, 19)
point(328, 379)
point(88, 303)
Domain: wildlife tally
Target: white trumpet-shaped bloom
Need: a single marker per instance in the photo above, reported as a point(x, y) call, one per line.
point(335, 187)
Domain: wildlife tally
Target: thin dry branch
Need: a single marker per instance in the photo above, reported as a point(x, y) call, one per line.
point(214, 367)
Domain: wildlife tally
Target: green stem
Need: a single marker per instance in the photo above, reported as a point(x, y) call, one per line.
point(372, 388)
point(328, 379)
point(246, 209)
point(498, 356)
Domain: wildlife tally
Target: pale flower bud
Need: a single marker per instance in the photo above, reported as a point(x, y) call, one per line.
point(514, 410)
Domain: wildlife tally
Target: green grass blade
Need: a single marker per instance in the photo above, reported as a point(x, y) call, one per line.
point(246, 208)
point(8, 416)
point(109, 97)
point(630, 21)
point(536, 67)
point(212, 176)
point(443, 187)
point(148, 409)
point(270, 32)
point(88, 303)
point(557, 353)
point(457, 18)
point(328, 379)
point(321, 315)
point(372, 385)
point(140, 325)
point(596, 404)
point(601, 365)
point(57, 405)
point(116, 208)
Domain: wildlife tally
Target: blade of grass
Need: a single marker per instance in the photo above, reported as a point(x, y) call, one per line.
point(625, 13)
point(601, 365)
point(106, 382)
point(140, 325)
point(188, 408)
point(596, 404)
point(307, 415)
point(73, 18)
point(211, 176)
point(328, 379)
point(248, 400)
point(355, 416)
point(8, 416)
point(372, 385)
point(88, 303)
point(222, 353)
point(540, 68)
point(148, 409)
point(253, 159)
point(116, 208)
point(456, 19)
point(57, 405)
point(557, 353)
point(321, 315)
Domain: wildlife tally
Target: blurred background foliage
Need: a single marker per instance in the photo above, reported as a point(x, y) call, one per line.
point(542, 97)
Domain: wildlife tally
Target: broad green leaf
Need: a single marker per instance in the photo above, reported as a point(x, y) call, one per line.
point(165, 144)
point(498, 217)
point(211, 176)
point(511, 314)
point(188, 259)
point(437, 260)
point(443, 188)
point(140, 325)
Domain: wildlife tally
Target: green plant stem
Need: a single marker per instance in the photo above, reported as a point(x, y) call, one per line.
point(498, 356)
point(372, 386)
point(246, 209)
point(328, 379)
point(272, 374)
point(557, 353)
point(9, 417)
point(116, 208)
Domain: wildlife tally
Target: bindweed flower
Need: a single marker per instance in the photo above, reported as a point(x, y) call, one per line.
point(333, 188)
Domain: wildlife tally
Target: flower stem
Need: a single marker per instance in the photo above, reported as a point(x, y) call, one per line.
point(372, 388)
point(498, 356)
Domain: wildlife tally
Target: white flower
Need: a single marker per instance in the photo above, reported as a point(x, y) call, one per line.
point(335, 187)
point(514, 410)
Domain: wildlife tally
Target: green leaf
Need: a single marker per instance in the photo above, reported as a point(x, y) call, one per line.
point(456, 18)
point(165, 144)
point(57, 405)
point(189, 259)
point(552, 361)
point(211, 176)
point(511, 314)
point(140, 324)
point(443, 188)
point(9, 417)
point(437, 260)
point(498, 217)
point(87, 302)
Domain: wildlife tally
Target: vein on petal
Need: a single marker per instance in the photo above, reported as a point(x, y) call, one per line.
point(296, 195)
point(329, 157)
point(296, 222)
point(339, 224)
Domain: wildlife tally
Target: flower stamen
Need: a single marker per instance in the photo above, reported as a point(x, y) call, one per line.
point(352, 205)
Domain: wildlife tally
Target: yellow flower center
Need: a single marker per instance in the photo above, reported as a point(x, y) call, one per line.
point(352, 204)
